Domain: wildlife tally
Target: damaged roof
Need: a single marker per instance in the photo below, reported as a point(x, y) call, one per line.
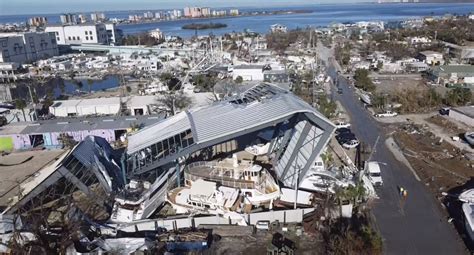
point(260, 104)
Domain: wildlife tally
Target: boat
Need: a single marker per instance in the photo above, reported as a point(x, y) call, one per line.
point(258, 149)
point(323, 181)
point(203, 197)
point(469, 136)
point(320, 179)
point(154, 88)
point(366, 99)
point(255, 183)
point(140, 199)
point(467, 197)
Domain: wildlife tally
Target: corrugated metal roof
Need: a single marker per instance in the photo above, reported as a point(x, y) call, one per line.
point(158, 132)
point(224, 118)
point(82, 124)
point(448, 69)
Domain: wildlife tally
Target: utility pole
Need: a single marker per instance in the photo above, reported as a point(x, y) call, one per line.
point(33, 102)
point(296, 186)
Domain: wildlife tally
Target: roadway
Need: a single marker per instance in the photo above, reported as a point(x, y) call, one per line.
point(415, 226)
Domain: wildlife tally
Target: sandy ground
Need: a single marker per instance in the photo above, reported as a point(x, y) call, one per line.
point(443, 127)
point(392, 84)
point(12, 172)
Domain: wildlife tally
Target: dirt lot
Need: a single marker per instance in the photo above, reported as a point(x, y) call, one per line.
point(396, 83)
point(440, 166)
point(448, 125)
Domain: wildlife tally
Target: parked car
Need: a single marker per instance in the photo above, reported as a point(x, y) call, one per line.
point(350, 144)
point(343, 130)
point(344, 135)
point(444, 111)
point(339, 90)
point(372, 169)
point(342, 124)
point(342, 138)
point(263, 224)
point(386, 114)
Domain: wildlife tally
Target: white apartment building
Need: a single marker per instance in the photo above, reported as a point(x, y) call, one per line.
point(80, 34)
point(27, 47)
point(112, 33)
point(234, 12)
point(431, 57)
point(157, 34)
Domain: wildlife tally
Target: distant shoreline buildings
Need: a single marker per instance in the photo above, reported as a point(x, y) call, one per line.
point(397, 1)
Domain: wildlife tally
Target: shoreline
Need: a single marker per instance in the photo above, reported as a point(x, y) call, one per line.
point(210, 18)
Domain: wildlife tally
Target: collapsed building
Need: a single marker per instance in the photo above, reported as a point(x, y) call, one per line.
point(154, 161)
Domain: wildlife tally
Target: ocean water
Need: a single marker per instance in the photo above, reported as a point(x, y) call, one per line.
point(321, 15)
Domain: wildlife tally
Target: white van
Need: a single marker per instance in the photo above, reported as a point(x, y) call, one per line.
point(372, 169)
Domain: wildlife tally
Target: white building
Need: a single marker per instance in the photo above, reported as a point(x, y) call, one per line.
point(80, 34)
point(138, 105)
point(157, 34)
point(37, 21)
point(431, 57)
point(97, 16)
point(81, 18)
point(234, 12)
point(68, 18)
point(27, 47)
point(419, 40)
point(84, 107)
point(112, 33)
point(248, 72)
point(278, 28)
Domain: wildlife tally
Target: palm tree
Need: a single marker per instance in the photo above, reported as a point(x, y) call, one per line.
point(21, 105)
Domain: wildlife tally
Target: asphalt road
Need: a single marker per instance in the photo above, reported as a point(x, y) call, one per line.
point(415, 226)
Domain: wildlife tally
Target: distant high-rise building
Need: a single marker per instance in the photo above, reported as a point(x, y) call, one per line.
point(205, 12)
point(197, 12)
point(234, 12)
point(38, 21)
point(134, 17)
point(81, 18)
point(177, 13)
point(97, 16)
point(148, 15)
point(216, 13)
point(68, 18)
point(187, 12)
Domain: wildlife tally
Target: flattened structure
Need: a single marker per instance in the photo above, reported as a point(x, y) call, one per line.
point(299, 131)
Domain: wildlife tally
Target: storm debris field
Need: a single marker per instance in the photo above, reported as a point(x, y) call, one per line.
point(439, 165)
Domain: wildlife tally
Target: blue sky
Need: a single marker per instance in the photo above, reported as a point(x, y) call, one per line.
point(12, 7)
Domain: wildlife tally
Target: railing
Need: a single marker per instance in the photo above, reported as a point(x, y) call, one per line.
point(215, 175)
